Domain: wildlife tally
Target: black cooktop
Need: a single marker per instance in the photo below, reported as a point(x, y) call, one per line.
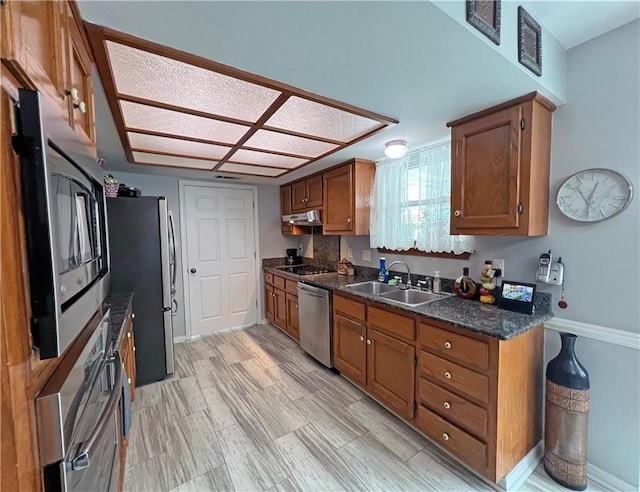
point(304, 270)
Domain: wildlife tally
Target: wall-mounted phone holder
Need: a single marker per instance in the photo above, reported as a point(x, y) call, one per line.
point(550, 272)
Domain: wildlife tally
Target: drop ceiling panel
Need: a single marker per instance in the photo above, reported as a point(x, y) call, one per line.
point(141, 141)
point(176, 109)
point(253, 170)
point(160, 120)
point(289, 144)
point(173, 161)
point(147, 75)
point(312, 118)
point(265, 159)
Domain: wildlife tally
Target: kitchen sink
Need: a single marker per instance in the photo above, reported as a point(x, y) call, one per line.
point(412, 297)
point(373, 287)
point(408, 297)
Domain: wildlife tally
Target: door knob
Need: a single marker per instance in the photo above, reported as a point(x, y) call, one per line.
point(193, 270)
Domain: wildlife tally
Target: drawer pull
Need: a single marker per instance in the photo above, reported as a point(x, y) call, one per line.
point(129, 380)
point(447, 345)
point(128, 334)
point(447, 374)
point(447, 405)
point(362, 339)
point(368, 342)
point(445, 436)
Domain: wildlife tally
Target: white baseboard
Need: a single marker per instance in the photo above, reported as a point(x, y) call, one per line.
point(601, 333)
point(528, 464)
point(606, 480)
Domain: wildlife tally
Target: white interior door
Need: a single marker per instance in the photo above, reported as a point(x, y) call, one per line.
point(221, 258)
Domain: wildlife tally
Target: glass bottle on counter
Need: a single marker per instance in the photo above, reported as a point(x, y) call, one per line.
point(464, 286)
point(436, 282)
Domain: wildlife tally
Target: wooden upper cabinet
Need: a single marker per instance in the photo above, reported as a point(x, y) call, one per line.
point(500, 169)
point(44, 46)
point(285, 208)
point(33, 42)
point(306, 194)
point(81, 112)
point(347, 196)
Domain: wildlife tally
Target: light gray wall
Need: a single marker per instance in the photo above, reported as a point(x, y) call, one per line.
point(271, 242)
point(598, 127)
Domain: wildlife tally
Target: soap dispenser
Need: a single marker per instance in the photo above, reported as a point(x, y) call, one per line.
point(383, 275)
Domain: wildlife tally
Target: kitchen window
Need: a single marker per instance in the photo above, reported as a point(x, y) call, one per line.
point(411, 203)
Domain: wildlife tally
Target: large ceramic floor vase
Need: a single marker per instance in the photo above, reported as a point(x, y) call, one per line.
point(567, 417)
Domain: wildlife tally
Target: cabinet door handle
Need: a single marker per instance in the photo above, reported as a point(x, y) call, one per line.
point(447, 374)
point(362, 339)
point(349, 220)
point(520, 208)
point(445, 436)
point(447, 345)
point(82, 106)
point(75, 96)
point(457, 213)
point(133, 315)
point(193, 270)
point(129, 334)
point(368, 342)
point(446, 405)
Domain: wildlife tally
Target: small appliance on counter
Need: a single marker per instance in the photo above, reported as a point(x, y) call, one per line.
point(129, 191)
point(292, 257)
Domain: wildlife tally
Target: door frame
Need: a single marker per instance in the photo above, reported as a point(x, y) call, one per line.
point(182, 184)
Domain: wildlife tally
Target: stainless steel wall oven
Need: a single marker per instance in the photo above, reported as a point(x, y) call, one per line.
point(65, 225)
point(78, 415)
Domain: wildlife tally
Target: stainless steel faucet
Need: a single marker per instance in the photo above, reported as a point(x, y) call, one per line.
point(408, 271)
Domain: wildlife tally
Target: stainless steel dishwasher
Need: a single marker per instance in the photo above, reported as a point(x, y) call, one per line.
point(314, 304)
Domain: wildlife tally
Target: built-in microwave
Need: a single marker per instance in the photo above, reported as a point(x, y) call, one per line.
point(65, 225)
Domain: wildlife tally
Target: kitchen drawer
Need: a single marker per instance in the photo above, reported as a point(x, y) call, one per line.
point(392, 323)
point(472, 451)
point(468, 351)
point(291, 286)
point(452, 407)
point(278, 282)
point(268, 278)
point(349, 307)
point(452, 375)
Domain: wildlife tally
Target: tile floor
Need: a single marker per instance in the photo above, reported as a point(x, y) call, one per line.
point(248, 410)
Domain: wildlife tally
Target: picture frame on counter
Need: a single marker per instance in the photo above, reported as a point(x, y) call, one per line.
point(484, 15)
point(529, 42)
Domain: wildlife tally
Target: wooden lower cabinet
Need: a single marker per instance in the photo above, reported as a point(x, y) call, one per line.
point(127, 351)
point(280, 309)
point(478, 397)
point(293, 320)
point(349, 348)
point(390, 372)
point(281, 303)
point(372, 356)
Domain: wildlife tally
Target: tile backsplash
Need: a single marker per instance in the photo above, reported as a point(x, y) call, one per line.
point(326, 250)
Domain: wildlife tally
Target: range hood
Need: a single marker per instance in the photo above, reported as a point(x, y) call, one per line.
point(310, 218)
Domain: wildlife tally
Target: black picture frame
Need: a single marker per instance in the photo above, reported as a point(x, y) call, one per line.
point(529, 42)
point(484, 15)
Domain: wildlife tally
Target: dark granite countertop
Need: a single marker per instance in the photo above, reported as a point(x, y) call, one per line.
point(468, 314)
point(120, 305)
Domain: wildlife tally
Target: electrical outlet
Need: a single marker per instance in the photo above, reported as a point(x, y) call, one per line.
point(366, 255)
point(498, 264)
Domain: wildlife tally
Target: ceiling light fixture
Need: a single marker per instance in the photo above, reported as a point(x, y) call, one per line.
point(395, 149)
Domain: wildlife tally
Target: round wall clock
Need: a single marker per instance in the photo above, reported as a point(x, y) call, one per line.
point(593, 195)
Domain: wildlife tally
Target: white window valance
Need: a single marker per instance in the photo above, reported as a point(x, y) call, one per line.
point(411, 203)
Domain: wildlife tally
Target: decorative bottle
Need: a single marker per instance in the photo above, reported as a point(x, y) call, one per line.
point(464, 286)
point(567, 417)
point(383, 276)
point(436, 282)
point(487, 295)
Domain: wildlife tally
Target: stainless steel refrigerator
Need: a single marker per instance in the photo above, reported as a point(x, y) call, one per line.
point(142, 252)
